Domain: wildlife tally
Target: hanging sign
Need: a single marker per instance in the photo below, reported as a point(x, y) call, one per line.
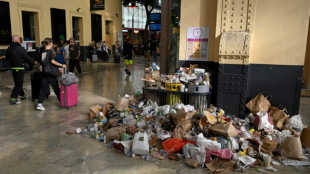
point(97, 4)
point(197, 43)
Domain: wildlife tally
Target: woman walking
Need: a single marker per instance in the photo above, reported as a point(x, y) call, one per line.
point(50, 68)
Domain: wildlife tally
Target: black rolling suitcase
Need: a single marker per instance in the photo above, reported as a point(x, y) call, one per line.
point(36, 85)
point(116, 59)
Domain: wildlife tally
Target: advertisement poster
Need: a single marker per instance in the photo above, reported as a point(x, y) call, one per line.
point(197, 43)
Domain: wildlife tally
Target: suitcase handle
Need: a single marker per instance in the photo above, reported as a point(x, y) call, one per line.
point(64, 70)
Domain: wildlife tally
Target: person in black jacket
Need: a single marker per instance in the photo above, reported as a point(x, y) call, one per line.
point(17, 57)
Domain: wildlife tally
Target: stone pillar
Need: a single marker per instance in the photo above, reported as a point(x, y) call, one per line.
point(165, 36)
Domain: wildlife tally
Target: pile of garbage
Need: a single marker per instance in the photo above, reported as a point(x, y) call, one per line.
point(192, 79)
point(221, 142)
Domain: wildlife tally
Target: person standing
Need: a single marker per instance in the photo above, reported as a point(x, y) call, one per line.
point(74, 55)
point(129, 54)
point(117, 52)
point(105, 50)
point(145, 47)
point(92, 50)
point(48, 59)
point(153, 51)
point(60, 52)
point(17, 57)
point(99, 50)
point(66, 52)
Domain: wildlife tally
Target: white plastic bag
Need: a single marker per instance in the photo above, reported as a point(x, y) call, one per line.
point(165, 109)
point(295, 123)
point(162, 134)
point(141, 124)
point(126, 144)
point(151, 109)
point(233, 144)
point(282, 135)
point(263, 121)
point(140, 144)
point(186, 150)
point(198, 154)
point(211, 145)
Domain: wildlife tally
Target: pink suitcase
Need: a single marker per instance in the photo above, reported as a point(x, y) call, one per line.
point(68, 96)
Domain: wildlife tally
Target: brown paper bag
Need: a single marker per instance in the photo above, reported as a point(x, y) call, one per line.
point(184, 123)
point(291, 148)
point(121, 104)
point(211, 119)
point(191, 163)
point(115, 133)
point(133, 99)
point(94, 111)
point(305, 137)
point(110, 122)
point(153, 140)
point(269, 146)
point(258, 103)
point(107, 107)
point(221, 166)
point(278, 116)
point(224, 129)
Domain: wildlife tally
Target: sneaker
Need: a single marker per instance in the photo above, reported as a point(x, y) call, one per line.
point(126, 70)
point(24, 97)
point(14, 102)
point(40, 108)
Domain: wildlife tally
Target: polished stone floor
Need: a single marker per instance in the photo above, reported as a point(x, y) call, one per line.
point(35, 142)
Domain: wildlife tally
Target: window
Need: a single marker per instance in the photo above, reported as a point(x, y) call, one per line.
point(5, 24)
point(107, 27)
point(28, 26)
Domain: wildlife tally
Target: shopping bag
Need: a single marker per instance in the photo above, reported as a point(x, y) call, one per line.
point(305, 137)
point(183, 123)
point(115, 133)
point(269, 145)
point(263, 121)
point(278, 116)
point(291, 148)
point(258, 103)
point(140, 144)
point(121, 104)
point(224, 129)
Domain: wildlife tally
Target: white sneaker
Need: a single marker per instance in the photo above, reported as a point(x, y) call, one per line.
point(40, 108)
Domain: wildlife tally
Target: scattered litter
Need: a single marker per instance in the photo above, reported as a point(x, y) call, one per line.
point(290, 162)
point(212, 138)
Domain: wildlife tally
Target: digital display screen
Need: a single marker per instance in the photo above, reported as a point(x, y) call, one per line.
point(155, 16)
point(155, 27)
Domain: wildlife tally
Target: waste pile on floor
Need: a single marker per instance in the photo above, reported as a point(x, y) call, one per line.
point(266, 138)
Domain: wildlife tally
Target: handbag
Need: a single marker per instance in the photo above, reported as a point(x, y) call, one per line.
point(27, 66)
point(48, 68)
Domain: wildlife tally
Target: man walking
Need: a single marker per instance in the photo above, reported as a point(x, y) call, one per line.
point(74, 55)
point(18, 58)
point(129, 54)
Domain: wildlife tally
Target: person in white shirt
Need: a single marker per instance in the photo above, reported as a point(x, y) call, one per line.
point(99, 50)
point(106, 50)
point(66, 52)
